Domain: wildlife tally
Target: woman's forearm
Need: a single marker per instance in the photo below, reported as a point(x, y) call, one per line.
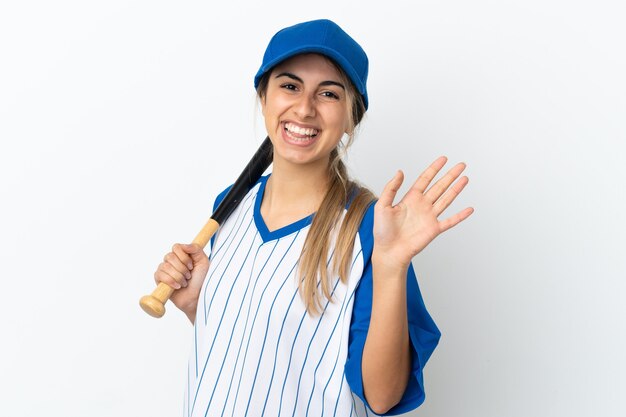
point(386, 363)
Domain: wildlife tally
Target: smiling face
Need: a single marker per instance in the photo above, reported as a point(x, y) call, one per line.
point(306, 109)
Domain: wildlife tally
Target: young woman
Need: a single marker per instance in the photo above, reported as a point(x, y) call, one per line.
point(309, 305)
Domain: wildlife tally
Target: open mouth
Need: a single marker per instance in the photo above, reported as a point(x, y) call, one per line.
point(299, 134)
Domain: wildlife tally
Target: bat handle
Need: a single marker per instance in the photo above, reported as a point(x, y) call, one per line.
point(154, 304)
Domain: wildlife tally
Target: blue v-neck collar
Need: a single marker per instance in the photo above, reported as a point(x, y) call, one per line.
point(265, 233)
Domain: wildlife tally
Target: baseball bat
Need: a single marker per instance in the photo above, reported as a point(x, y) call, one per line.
point(154, 304)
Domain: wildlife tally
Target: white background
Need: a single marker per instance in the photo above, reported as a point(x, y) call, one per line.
point(121, 120)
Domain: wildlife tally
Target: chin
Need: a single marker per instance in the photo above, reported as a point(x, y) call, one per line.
point(297, 158)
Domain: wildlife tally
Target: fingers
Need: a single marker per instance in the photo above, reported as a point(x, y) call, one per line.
point(168, 274)
point(195, 251)
point(391, 189)
point(449, 196)
point(427, 176)
point(441, 194)
point(444, 182)
point(176, 266)
point(454, 220)
point(179, 259)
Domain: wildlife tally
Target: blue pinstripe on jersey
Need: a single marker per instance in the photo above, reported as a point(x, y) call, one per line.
point(306, 355)
point(232, 333)
point(248, 203)
point(215, 292)
point(246, 326)
point(238, 219)
point(343, 306)
point(257, 311)
point(290, 354)
point(208, 356)
point(256, 372)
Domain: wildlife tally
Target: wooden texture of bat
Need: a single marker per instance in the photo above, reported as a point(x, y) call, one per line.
point(154, 304)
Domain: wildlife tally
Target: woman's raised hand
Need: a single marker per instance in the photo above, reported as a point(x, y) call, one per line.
point(403, 230)
point(184, 269)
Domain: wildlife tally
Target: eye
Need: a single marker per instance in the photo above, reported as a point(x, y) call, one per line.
point(289, 86)
point(330, 95)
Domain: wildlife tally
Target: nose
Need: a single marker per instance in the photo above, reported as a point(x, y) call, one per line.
point(305, 106)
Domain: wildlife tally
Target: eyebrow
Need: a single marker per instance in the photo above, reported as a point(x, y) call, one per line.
point(296, 78)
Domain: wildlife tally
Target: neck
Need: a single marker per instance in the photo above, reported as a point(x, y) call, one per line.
point(303, 186)
point(293, 192)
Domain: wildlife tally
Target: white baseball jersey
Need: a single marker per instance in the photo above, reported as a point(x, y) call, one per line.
point(256, 351)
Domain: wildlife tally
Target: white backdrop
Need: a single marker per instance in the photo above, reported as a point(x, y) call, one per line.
point(121, 120)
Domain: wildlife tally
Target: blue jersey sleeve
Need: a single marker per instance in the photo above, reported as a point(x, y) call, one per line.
point(423, 332)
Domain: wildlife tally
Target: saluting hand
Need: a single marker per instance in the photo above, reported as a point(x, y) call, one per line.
point(403, 230)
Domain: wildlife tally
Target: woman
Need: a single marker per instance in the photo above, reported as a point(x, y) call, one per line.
point(309, 305)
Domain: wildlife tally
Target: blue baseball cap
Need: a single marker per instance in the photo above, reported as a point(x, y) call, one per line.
point(321, 36)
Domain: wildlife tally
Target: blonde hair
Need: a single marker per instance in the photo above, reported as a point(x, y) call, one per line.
point(314, 259)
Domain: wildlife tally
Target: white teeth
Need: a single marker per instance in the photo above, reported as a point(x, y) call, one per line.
point(298, 138)
point(300, 130)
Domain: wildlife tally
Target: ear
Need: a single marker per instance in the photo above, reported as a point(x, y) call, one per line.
point(347, 130)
